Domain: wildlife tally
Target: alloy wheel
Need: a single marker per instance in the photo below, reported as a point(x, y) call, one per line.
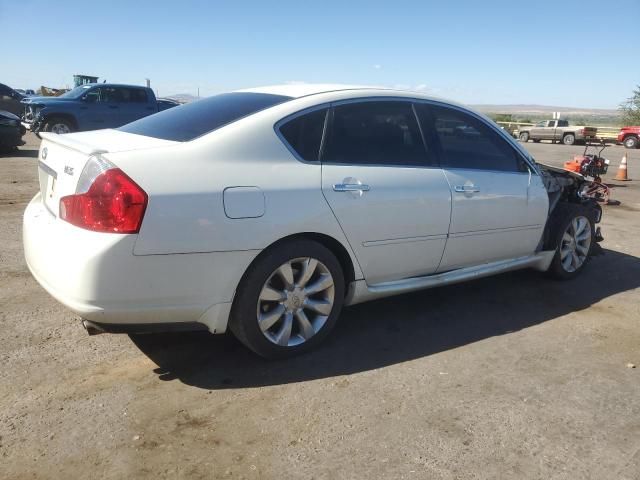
point(295, 301)
point(575, 244)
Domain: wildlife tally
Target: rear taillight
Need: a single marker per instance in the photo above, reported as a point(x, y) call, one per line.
point(111, 203)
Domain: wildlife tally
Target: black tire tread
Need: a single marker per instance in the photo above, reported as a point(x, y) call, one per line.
point(243, 323)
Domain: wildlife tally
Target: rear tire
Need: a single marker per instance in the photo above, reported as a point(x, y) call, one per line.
point(631, 142)
point(572, 234)
point(275, 311)
point(569, 139)
point(536, 140)
point(524, 137)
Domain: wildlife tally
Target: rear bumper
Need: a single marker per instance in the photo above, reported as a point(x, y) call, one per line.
point(97, 276)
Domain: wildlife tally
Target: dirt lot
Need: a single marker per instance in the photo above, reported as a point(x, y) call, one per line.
point(510, 377)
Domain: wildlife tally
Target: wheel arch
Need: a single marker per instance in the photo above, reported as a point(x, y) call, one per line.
point(63, 116)
point(334, 246)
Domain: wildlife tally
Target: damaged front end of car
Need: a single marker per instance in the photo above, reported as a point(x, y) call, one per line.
point(571, 187)
point(32, 116)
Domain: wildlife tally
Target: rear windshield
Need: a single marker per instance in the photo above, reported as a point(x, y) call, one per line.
point(192, 120)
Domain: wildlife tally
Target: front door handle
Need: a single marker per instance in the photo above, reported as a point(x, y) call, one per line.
point(351, 187)
point(466, 189)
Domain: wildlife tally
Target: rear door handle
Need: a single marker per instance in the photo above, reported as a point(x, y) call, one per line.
point(466, 189)
point(351, 187)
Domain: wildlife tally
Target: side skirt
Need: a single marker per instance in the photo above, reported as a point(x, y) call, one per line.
point(360, 292)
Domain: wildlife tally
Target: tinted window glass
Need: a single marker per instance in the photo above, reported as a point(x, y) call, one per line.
point(378, 133)
point(192, 120)
point(131, 95)
point(304, 134)
point(467, 142)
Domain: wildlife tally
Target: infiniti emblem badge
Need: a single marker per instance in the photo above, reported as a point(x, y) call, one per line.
point(44, 153)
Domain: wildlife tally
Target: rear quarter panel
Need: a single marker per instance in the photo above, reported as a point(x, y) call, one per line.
point(186, 182)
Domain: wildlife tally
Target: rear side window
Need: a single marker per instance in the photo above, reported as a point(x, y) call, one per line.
point(192, 120)
point(375, 133)
point(467, 142)
point(132, 95)
point(304, 134)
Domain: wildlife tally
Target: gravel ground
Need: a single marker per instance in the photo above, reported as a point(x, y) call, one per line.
point(515, 376)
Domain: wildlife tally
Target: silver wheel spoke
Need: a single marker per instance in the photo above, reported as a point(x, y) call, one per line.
point(582, 249)
point(286, 315)
point(283, 336)
point(320, 306)
point(309, 267)
point(267, 320)
point(566, 263)
point(286, 273)
point(575, 261)
point(325, 281)
point(583, 236)
point(270, 294)
point(306, 329)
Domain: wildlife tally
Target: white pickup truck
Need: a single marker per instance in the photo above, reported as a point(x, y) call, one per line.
point(557, 131)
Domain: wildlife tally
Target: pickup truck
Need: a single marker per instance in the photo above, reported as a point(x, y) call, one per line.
point(557, 131)
point(91, 107)
point(629, 137)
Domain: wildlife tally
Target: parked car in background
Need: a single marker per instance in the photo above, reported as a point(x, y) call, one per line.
point(91, 107)
point(557, 131)
point(11, 131)
point(630, 137)
point(267, 210)
point(10, 100)
point(25, 93)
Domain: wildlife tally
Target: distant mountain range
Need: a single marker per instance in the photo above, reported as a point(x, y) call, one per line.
point(182, 97)
point(534, 111)
point(546, 110)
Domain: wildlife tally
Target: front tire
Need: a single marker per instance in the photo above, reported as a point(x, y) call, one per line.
point(58, 125)
point(631, 142)
point(289, 300)
point(572, 232)
point(524, 137)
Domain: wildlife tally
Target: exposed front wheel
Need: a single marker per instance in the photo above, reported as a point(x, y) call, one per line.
point(573, 234)
point(524, 137)
point(631, 142)
point(569, 139)
point(58, 125)
point(289, 299)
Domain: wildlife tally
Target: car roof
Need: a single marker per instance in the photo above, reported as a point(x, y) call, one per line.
point(296, 90)
point(111, 85)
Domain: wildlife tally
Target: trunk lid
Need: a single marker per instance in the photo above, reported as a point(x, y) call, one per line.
point(63, 157)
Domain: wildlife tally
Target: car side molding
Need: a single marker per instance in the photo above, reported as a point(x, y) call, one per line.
point(360, 292)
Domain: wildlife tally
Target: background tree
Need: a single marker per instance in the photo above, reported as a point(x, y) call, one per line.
point(630, 109)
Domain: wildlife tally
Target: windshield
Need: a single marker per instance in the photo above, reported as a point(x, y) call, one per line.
point(76, 92)
point(192, 120)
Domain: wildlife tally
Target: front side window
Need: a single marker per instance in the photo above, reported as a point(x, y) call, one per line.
point(467, 142)
point(375, 133)
point(304, 134)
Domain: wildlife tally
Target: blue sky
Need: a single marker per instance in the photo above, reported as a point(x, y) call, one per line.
point(569, 53)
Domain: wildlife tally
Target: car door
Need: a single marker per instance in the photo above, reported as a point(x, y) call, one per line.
point(133, 105)
point(499, 204)
point(97, 110)
point(390, 198)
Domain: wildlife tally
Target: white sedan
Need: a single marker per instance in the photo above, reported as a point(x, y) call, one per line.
point(268, 210)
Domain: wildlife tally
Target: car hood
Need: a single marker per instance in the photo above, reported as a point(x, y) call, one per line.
point(103, 141)
point(9, 115)
point(45, 100)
